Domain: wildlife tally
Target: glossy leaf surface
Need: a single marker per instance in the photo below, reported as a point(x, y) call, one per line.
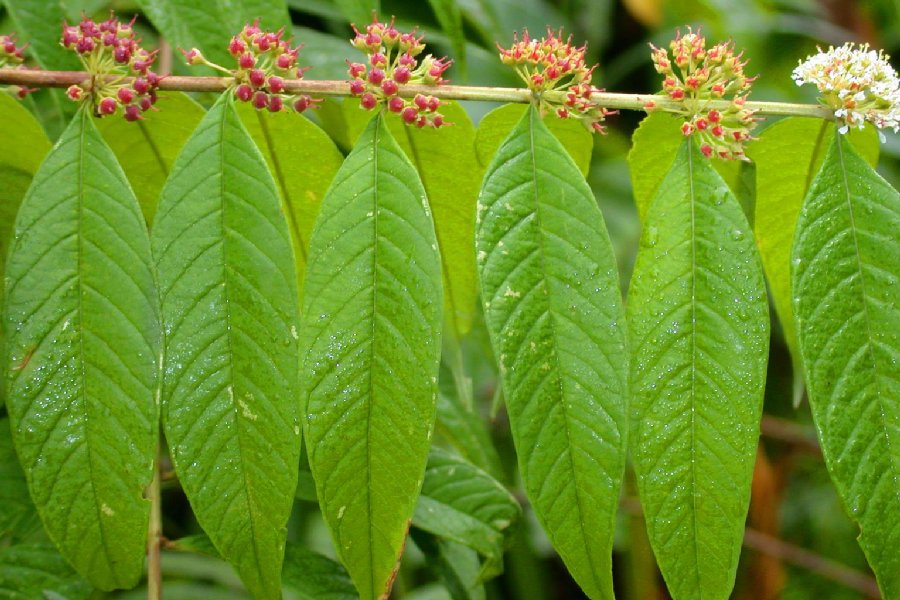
point(699, 329)
point(554, 314)
point(844, 274)
point(148, 148)
point(370, 340)
point(83, 346)
point(228, 292)
point(303, 161)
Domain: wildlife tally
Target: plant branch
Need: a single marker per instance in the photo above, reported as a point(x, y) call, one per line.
point(63, 79)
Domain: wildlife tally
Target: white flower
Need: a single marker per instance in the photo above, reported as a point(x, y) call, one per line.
point(859, 83)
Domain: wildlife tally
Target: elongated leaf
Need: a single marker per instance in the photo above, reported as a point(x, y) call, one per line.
point(497, 125)
point(209, 25)
point(18, 516)
point(846, 257)
point(303, 160)
point(445, 160)
point(82, 355)
point(455, 565)
point(462, 503)
point(29, 571)
point(227, 286)
point(315, 577)
point(39, 23)
point(699, 327)
point(788, 155)
point(147, 149)
point(554, 314)
point(370, 336)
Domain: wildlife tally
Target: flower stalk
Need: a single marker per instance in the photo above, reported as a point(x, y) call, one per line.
point(338, 88)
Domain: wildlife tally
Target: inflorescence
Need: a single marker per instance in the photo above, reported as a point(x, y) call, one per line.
point(693, 75)
point(111, 54)
point(391, 64)
point(858, 83)
point(12, 56)
point(552, 64)
point(265, 62)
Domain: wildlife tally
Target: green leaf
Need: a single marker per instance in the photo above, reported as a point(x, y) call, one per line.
point(30, 571)
point(462, 503)
point(228, 291)
point(445, 160)
point(343, 120)
point(496, 126)
point(147, 149)
point(209, 25)
point(554, 315)
point(449, 16)
point(788, 154)
point(456, 565)
point(699, 328)
point(18, 516)
point(844, 276)
point(654, 144)
point(39, 23)
point(82, 350)
point(303, 160)
point(370, 345)
point(312, 576)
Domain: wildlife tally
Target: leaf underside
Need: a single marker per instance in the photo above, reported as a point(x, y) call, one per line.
point(83, 344)
point(699, 328)
point(370, 338)
point(229, 303)
point(844, 275)
point(554, 314)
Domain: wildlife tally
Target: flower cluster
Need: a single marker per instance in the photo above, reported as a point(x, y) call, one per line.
point(265, 62)
point(694, 75)
point(858, 83)
point(392, 63)
point(12, 57)
point(111, 53)
point(552, 65)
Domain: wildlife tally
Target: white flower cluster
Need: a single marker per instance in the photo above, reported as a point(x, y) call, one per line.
point(859, 83)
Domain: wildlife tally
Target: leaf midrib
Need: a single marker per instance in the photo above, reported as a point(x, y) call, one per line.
point(880, 394)
point(693, 199)
point(560, 382)
point(375, 214)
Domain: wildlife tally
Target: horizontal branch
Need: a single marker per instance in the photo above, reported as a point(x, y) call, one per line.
point(63, 79)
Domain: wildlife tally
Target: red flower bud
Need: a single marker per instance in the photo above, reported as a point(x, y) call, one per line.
point(237, 47)
point(707, 150)
point(107, 106)
point(275, 103)
point(275, 84)
point(368, 101)
point(133, 113)
point(257, 78)
point(409, 115)
point(243, 92)
point(125, 95)
point(260, 100)
point(357, 87)
point(302, 103)
point(74, 92)
point(396, 104)
point(389, 87)
point(247, 60)
point(401, 75)
point(376, 76)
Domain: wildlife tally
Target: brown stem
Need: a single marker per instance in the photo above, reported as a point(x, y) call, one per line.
point(36, 78)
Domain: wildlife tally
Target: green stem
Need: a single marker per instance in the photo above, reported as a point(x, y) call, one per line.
point(62, 79)
point(154, 536)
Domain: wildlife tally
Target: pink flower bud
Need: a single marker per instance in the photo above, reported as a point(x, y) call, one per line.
point(74, 92)
point(107, 106)
point(302, 103)
point(275, 103)
point(714, 116)
point(687, 128)
point(396, 104)
point(368, 101)
point(121, 55)
point(717, 131)
point(247, 60)
point(243, 92)
point(152, 79)
point(193, 57)
point(257, 78)
point(357, 87)
point(285, 61)
point(401, 75)
point(389, 87)
point(376, 76)
point(237, 47)
point(133, 113)
point(260, 100)
point(378, 60)
point(357, 70)
point(275, 84)
point(125, 95)
point(409, 115)
point(707, 150)
point(437, 121)
point(84, 45)
point(141, 85)
point(421, 102)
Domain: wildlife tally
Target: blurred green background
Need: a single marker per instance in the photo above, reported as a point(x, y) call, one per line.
point(793, 500)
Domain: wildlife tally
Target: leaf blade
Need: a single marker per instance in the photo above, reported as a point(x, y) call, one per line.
point(82, 352)
point(844, 276)
point(371, 327)
point(571, 447)
point(699, 348)
point(228, 295)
